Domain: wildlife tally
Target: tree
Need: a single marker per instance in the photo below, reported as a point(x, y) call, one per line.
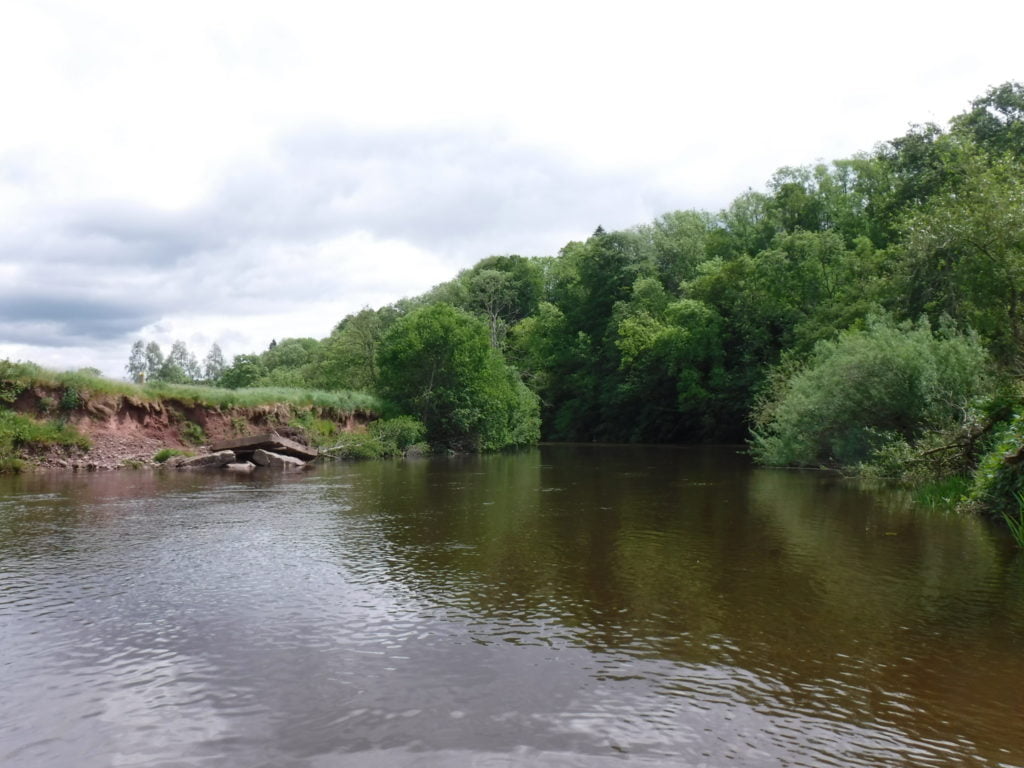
point(154, 361)
point(214, 364)
point(679, 242)
point(964, 254)
point(491, 293)
point(437, 364)
point(136, 367)
point(996, 120)
point(244, 371)
point(348, 358)
point(181, 366)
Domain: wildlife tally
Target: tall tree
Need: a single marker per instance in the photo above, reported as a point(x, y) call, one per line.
point(136, 367)
point(437, 364)
point(964, 254)
point(154, 361)
point(214, 364)
point(996, 120)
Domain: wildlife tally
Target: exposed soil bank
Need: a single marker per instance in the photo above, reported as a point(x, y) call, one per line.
point(126, 431)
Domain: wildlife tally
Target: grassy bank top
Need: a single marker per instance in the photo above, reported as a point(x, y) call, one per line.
point(16, 376)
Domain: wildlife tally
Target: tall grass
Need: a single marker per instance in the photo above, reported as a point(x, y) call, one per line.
point(18, 432)
point(88, 385)
point(1015, 520)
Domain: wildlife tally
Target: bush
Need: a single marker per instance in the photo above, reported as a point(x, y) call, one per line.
point(70, 399)
point(996, 481)
point(397, 434)
point(437, 364)
point(193, 433)
point(357, 445)
point(165, 453)
point(865, 391)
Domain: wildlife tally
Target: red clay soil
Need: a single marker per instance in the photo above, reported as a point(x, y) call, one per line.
point(127, 432)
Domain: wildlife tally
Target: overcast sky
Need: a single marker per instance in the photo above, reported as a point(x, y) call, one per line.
point(240, 171)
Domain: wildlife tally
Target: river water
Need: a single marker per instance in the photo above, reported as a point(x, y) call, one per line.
point(565, 606)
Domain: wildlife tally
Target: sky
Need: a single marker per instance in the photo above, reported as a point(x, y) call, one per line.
point(236, 172)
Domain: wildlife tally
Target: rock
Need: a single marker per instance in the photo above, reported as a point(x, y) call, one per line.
point(276, 460)
point(211, 460)
point(271, 442)
point(240, 466)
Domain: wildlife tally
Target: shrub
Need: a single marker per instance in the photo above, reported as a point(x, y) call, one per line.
point(193, 433)
point(866, 390)
point(397, 434)
point(357, 445)
point(165, 453)
point(70, 399)
point(997, 482)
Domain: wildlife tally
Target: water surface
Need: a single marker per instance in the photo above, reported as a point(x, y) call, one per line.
point(571, 605)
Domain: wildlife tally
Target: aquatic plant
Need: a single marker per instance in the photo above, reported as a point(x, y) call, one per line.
point(1015, 520)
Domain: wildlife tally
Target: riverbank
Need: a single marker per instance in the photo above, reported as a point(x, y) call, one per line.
point(79, 422)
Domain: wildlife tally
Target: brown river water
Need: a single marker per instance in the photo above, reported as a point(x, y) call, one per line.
point(564, 606)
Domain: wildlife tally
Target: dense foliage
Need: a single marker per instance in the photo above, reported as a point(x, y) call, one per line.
point(703, 326)
point(864, 390)
point(437, 364)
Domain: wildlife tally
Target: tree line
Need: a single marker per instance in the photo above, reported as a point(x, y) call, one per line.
point(146, 362)
point(856, 310)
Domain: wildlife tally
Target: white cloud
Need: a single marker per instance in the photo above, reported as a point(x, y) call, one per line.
point(175, 169)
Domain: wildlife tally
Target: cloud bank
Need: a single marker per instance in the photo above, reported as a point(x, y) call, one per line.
point(328, 220)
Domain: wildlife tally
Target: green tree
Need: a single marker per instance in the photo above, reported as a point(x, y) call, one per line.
point(964, 254)
point(491, 293)
point(244, 371)
point(214, 364)
point(437, 364)
point(678, 242)
point(995, 121)
point(181, 366)
point(348, 358)
point(154, 361)
point(136, 367)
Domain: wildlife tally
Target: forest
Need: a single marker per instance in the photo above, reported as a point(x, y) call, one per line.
point(864, 314)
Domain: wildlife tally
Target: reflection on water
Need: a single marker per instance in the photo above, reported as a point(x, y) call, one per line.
point(572, 605)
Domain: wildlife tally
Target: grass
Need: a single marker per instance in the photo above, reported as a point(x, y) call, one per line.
point(1015, 520)
point(18, 433)
point(79, 386)
point(165, 453)
point(943, 494)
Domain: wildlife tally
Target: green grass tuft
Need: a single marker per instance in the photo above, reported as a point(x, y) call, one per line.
point(1015, 520)
point(165, 453)
point(943, 494)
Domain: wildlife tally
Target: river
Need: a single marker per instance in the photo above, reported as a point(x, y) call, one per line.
point(564, 606)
